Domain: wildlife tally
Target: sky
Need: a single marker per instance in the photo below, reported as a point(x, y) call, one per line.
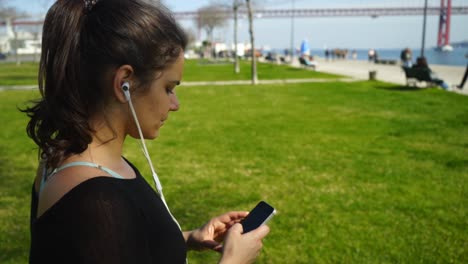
point(327, 32)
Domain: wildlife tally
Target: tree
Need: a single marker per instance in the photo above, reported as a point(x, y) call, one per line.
point(9, 15)
point(210, 17)
point(235, 8)
point(191, 36)
point(252, 43)
point(234, 5)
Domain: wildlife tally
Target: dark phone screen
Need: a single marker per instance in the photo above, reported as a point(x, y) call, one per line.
point(257, 216)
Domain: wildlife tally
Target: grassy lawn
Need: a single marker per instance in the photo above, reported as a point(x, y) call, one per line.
point(23, 74)
point(363, 172)
point(195, 70)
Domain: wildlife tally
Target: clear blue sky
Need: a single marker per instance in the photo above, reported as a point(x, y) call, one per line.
point(339, 32)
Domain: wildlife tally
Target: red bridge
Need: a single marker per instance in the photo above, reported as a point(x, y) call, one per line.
point(329, 12)
point(444, 11)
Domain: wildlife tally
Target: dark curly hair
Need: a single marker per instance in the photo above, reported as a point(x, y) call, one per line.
point(81, 45)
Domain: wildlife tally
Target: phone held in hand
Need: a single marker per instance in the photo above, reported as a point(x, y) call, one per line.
point(260, 215)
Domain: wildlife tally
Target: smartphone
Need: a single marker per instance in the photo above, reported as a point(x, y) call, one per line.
point(258, 216)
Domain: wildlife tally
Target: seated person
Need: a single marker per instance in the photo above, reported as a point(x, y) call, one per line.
point(308, 61)
point(421, 63)
point(406, 57)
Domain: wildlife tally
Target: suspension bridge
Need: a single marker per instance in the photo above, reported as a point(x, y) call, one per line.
point(445, 10)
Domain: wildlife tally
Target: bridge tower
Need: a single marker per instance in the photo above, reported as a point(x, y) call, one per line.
point(443, 39)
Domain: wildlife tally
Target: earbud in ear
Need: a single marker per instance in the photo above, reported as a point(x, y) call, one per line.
point(126, 90)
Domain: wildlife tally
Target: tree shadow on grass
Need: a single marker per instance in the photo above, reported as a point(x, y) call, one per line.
point(461, 164)
point(292, 69)
point(402, 88)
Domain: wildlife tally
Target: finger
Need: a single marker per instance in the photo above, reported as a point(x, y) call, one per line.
point(218, 248)
point(211, 244)
point(234, 215)
point(260, 232)
point(229, 219)
point(237, 228)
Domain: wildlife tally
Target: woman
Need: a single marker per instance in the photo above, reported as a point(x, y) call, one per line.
point(421, 63)
point(109, 69)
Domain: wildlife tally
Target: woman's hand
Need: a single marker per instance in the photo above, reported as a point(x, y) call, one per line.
point(211, 235)
point(243, 248)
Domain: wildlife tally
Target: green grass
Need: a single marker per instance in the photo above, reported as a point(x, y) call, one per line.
point(202, 70)
point(363, 172)
point(195, 70)
point(23, 74)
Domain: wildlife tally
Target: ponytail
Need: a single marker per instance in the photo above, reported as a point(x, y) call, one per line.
point(58, 117)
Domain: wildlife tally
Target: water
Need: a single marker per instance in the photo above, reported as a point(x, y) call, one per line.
point(454, 58)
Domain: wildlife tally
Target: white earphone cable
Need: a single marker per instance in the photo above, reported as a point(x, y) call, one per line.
point(147, 156)
point(144, 149)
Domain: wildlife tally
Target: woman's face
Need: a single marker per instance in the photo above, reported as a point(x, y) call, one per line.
point(153, 106)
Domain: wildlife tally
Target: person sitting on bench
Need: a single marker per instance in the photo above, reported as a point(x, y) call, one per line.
point(421, 63)
point(304, 60)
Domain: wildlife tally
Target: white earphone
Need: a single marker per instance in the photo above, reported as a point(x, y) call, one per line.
point(126, 90)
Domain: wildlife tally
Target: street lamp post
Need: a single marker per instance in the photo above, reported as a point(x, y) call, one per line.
point(424, 29)
point(292, 30)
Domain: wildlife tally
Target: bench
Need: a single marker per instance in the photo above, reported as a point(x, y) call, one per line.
point(415, 75)
point(386, 61)
point(307, 63)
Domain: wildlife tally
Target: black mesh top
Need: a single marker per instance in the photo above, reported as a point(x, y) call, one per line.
point(106, 220)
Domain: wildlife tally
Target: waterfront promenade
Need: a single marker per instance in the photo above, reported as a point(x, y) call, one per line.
point(359, 70)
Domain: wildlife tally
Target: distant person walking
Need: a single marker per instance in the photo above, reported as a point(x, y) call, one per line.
point(371, 55)
point(406, 57)
point(464, 76)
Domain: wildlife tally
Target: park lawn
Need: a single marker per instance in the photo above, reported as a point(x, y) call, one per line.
point(363, 172)
point(23, 74)
point(203, 70)
point(195, 70)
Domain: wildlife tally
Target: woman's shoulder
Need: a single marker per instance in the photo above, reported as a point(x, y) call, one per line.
point(76, 179)
point(77, 187)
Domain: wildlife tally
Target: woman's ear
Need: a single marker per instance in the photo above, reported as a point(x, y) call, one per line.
point(123, 74)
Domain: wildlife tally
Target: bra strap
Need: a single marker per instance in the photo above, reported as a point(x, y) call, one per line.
point(87, 164)
point(78, 163)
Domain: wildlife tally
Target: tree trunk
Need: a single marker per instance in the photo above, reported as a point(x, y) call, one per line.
point(236, 58)
point(17, 58)
point(252, 43)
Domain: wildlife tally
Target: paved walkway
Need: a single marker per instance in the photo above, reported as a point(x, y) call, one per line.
point(17, 87)
point(390, 73)
point(353, 69)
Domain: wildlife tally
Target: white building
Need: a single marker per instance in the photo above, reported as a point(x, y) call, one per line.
point(24, 41)
point(6, 35)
